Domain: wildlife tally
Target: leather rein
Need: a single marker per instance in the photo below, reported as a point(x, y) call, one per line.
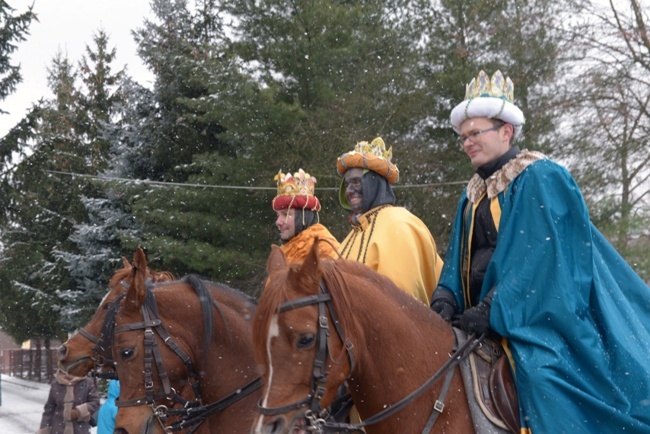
point(316, 417)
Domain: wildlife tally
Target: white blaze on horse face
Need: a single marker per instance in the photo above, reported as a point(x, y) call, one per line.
point(274, 331)
point(104, 299)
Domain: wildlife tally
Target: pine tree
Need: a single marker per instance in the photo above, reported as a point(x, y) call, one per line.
point(13, 30)
point(94, 249)
point(45, 203)
point(41, 214)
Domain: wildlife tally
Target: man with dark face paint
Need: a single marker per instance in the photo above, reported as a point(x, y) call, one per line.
point(389, 239)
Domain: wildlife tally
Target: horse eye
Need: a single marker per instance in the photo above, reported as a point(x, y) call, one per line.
point(306, 340)
point(125, 354)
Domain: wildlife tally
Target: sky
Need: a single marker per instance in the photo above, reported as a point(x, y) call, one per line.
point(68, 26)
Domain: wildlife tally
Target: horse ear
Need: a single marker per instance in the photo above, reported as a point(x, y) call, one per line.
point(140, 259)
point(309, 274)
point(277, 261)
point(125, 262)
point(312, 259)
point(137, 290)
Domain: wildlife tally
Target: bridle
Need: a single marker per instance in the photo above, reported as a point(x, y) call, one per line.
point(103, 349)
point(152, 324)
point(317, 417)
point(315, 413)
point(192, 413)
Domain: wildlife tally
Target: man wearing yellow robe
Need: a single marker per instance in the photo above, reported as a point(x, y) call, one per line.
point(389, 239)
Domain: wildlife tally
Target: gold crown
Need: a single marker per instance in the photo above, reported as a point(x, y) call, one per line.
point(497, 87)
point(376, 148)
point(372, 156)
point(298, 184)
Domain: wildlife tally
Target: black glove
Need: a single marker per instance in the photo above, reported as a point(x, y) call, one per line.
point(477, 319)
point(444, 303)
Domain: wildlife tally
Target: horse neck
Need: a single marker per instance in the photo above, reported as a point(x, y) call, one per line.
point(229, 364)
point(399, 343)
point(230, 361)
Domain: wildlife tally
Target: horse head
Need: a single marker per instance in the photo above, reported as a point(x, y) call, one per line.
point(297, 344)
point(326, 322)
point(89, 349)
point(176, 358)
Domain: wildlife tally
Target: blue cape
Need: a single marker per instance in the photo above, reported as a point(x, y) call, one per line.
point(575, 315)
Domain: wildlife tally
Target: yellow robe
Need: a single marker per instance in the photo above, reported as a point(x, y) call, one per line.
point(397, 244)
point(297, 248)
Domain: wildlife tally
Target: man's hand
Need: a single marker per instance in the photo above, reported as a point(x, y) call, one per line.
point(444, 303)
point(74, 414)
point(477, 319)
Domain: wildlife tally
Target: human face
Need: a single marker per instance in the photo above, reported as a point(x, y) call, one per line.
point(353, 191)
point(487, 146)
point(286, 223)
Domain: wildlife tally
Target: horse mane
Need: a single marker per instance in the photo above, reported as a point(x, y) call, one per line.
point(207, 302)
point(234, 292)
point(343, 276)
point(202, 287)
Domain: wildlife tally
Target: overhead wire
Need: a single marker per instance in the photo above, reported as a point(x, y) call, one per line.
point(231, 187)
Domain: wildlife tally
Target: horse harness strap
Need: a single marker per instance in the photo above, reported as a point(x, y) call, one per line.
point(319, 373)
point(448, 368)
point(103, 345)
point(192, 416)
point(439, 406)
point(152, 323)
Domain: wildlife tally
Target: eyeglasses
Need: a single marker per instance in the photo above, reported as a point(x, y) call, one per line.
point(474, 135)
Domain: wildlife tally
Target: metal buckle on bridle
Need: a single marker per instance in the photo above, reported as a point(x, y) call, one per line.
point(315, 422)
point(160, 412)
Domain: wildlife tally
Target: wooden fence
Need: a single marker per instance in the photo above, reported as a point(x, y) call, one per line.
point(32, 364)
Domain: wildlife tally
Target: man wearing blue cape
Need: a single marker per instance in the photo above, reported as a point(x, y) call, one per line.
point(525, 263)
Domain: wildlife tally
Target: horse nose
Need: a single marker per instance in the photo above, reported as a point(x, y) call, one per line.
point(62, 352)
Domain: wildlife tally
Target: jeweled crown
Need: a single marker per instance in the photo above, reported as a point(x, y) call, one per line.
point(298, 184)
point(376, 148)
point(498, 86)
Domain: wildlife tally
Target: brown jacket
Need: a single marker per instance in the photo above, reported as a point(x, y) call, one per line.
point(70, 398)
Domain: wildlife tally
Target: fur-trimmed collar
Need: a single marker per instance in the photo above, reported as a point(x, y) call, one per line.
point(61, 379)
point(500, 179)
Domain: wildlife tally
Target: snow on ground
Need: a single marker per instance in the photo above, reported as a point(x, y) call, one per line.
point(22, 405)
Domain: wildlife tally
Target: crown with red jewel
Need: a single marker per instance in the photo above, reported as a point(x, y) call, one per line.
point(295, 191)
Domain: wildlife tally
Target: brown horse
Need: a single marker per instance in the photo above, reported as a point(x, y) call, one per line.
point(324, 322)
point(87, 350)
point(183, 351)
